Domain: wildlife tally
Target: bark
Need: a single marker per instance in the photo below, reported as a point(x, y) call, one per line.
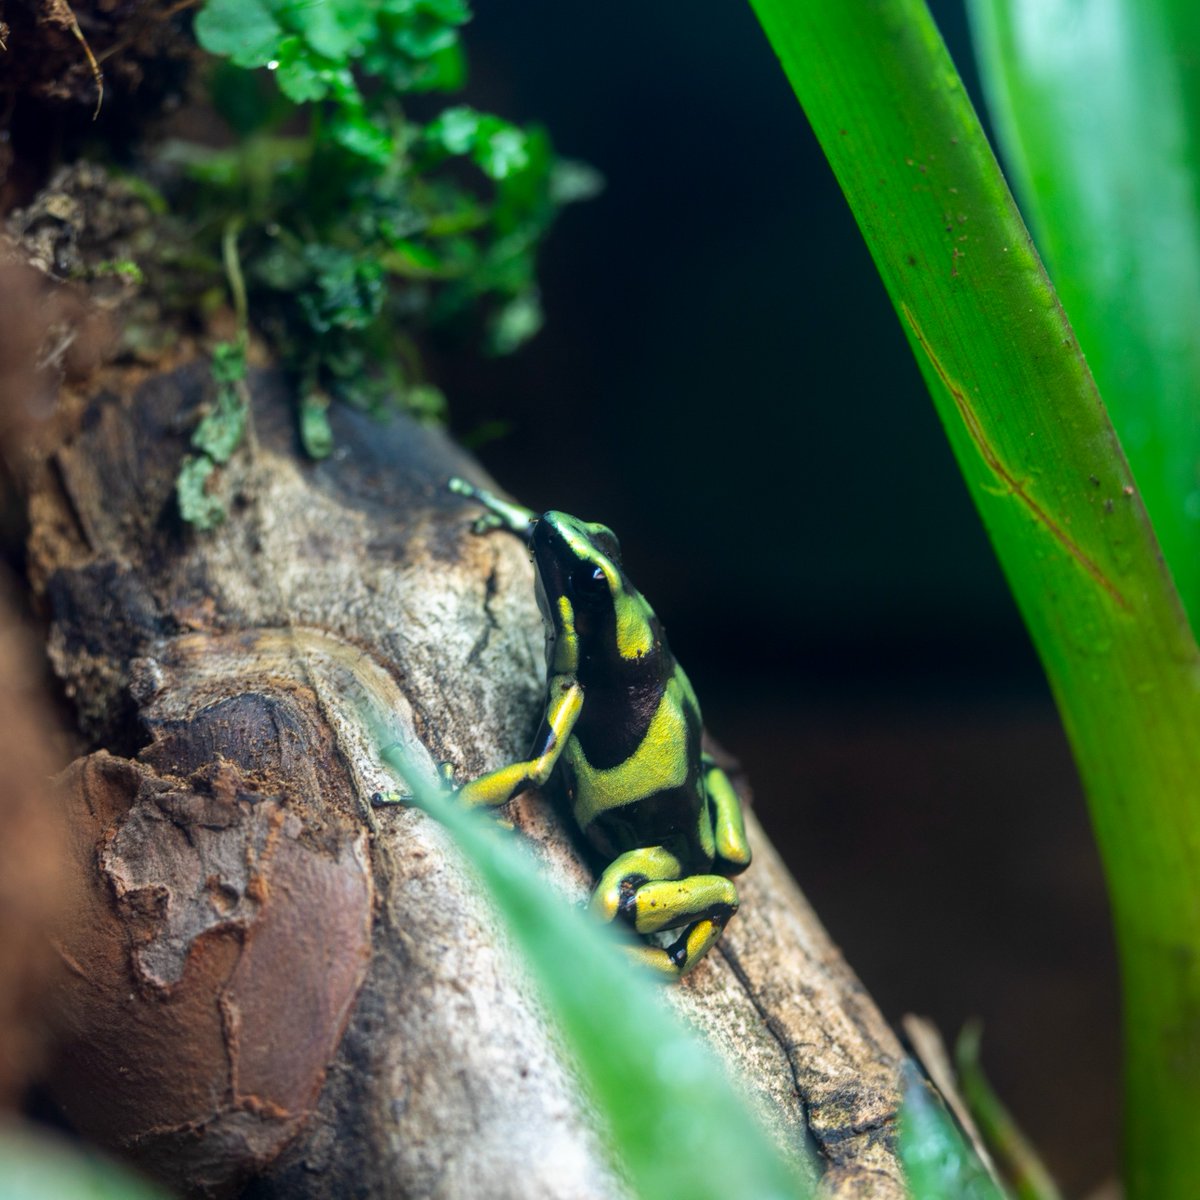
point(267, 983)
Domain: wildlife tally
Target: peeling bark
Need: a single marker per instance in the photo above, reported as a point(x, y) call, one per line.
point(267, 979)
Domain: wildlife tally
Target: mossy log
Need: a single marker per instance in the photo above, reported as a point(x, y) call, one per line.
point(267, 985)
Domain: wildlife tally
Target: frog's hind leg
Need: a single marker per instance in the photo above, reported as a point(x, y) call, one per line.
point(649, 889)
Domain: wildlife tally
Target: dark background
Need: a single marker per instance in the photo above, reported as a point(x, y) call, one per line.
point(722, 379)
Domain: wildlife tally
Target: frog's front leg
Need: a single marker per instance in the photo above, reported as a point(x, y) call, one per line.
point(499, 786)
point(501, 514)
point(649, 888)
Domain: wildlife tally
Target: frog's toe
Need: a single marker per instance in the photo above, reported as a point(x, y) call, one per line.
point(673, 961)
point(383, 799)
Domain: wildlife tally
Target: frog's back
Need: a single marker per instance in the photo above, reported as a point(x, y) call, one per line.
point(632, 766)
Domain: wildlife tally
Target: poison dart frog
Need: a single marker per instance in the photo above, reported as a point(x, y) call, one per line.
point(622, 727)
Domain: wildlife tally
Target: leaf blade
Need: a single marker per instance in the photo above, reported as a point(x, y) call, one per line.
point(1098, 111)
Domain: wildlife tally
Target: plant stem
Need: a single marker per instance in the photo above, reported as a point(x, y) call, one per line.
point(233, 273)
point(1056, 495)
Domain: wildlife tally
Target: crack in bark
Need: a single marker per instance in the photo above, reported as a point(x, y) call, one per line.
point(814, 1145)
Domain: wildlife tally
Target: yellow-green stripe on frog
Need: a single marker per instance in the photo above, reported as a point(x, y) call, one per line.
point(622, 728)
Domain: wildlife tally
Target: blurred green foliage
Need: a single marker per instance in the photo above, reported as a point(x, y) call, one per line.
point(359, 225)
point(35, 1165)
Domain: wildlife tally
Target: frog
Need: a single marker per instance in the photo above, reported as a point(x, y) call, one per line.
point(622, 731)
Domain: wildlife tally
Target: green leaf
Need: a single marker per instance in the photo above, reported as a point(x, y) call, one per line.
point(453, 12)
point(357, 132)
point(335, 31)
point(280, 267)
point(680, 1127)
point(220, 432)
point(229, 361)
point(300, 79)
point(454, 130)
point(423, 39)
point(938, 1163)
point(315, 432)
point(242, 30)
point(1098, 111)
point(125, 268)
point(426, 402)
point(347, 291)
point(37, 1166)
point(572, 181)
point(515, 323)
point(197, 505)
point(500, 148)
point(444, 71)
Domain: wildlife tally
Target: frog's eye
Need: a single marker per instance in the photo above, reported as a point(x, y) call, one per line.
point(591, 580)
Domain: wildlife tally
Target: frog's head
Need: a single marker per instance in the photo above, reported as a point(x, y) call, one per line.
point(582, 591)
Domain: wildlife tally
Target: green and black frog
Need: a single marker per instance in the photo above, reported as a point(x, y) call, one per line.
point(622, 728)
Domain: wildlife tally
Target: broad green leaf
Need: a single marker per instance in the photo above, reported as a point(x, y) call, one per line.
point(679, 1126)
point(1097, 104)
point(1057, 497)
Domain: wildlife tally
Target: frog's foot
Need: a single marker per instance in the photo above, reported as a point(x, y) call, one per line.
point(649, 889)
point(674, 961)
point(501, 514)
